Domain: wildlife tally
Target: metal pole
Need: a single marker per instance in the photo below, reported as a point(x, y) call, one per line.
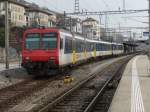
point(100, 21)
point(106, 26)
point(64, 19)
point(124, 5)
point(130, 36)
point(149, 24)
point(6, 35)
point(70, 24)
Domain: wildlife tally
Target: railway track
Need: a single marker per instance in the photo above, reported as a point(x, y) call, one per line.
point(14, 94)
point(84, 97)
point(103, 99)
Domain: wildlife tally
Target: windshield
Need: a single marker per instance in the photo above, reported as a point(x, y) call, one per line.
point(32, 41)
point(49, 41)
point(35, 41)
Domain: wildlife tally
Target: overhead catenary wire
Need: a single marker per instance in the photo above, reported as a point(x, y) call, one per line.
point(87, 5)
point(137, 20)
point(48, 3)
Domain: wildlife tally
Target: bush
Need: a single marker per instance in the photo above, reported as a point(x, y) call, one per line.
point(2, 37)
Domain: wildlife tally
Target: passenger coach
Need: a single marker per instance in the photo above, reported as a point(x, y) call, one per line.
point(53, 49)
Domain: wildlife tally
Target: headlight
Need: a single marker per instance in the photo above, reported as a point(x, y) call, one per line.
point(52, 58)
point(27, 58)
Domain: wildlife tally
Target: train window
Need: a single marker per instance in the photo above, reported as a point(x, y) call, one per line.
point(98, 46)
point(68, 45)
point(86, 46)
point(108, 48)
point(92, 46)
point(32, 41)
point(79, 46)
point(49, 41)
point(61, 43)
point(114, 47)
point(103, 47)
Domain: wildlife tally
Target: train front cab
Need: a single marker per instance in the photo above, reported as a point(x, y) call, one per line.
point(40, 49)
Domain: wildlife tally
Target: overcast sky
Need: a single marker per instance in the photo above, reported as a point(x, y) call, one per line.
point(100, 5)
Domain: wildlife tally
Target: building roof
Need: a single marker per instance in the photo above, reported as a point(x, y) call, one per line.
point(31, 6)
point(37, 9)
point(89, 19)
point(17, 2)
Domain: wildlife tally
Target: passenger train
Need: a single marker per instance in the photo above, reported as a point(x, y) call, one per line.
point(53, 49)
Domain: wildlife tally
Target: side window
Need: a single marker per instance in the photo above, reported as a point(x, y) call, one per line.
point(105, 47)
point(68, 45)
point(61, 43)
point(79, 46)
point(97, 47)
point(82, 46)
point(100, 47)
point(92, 46)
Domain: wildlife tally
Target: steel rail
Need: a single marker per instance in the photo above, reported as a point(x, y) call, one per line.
point(95, 99)
point(67, 93)
point(82, 83)
point(14, 94)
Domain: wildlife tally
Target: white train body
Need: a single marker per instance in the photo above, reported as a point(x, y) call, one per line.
point(76, 48)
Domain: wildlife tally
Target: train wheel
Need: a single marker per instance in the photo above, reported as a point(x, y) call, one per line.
point(30, 72)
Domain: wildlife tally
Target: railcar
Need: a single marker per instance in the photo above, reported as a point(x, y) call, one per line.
point(53, 49)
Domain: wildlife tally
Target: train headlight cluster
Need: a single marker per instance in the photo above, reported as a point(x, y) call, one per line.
point(27, 58)
point(52, 58)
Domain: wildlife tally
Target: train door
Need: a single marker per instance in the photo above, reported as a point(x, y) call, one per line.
point(61, 51)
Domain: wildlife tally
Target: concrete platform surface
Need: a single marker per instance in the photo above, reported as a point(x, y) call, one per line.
point(12, 66)
point(133, 92)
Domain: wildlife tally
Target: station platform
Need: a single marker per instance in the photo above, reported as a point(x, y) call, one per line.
point(11, 66)
point(133, 92)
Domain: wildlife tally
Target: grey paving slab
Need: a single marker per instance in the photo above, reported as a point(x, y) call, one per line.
point(133, 92)
point(12, 66)
point(143, 67)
